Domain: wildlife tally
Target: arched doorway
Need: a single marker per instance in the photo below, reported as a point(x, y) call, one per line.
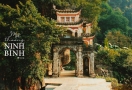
point(85, 66)
point(68, 34)
point(67, 62)
point(76, 35)
point(58, 55)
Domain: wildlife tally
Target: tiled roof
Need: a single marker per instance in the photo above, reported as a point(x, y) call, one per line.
point(67, 11)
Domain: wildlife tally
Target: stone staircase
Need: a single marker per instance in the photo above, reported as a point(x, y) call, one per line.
point(66, 73)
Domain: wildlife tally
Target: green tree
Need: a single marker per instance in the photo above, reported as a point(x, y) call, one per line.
point(128, 14)
point(124, 6)
point(107, 56)
point(117, 38)
point(111, 19)
point(119, 61)
point(38, 34)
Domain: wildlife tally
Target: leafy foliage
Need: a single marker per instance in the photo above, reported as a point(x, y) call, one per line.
point(117, 38)
point(116, 59)
point(125, 6)
point(109, 20)
point(38, 34)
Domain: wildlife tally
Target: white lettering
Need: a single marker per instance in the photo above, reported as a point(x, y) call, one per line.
point(14, 52)
point(21, 45)
point(8, 45)
point(21, 52)
point(6, 53)
point(15, 46)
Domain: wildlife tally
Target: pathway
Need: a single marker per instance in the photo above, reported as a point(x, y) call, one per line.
point(75, 83)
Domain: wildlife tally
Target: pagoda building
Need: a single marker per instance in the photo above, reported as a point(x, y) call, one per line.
point(76, 27)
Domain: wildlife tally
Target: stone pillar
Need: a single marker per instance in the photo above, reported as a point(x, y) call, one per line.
point(91, 73)
point(59, 66)
point(76, 71)
point(55, 62)
point(79, 62)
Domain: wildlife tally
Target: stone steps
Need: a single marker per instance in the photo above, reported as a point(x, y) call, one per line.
point(65, 73)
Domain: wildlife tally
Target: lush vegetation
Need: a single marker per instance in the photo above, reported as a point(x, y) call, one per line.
point(38, 34)
point(119, 61)
point(111, 20)
point(115, 37)
point(125, 6)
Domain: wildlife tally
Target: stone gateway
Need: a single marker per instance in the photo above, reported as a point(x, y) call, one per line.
point(84, 61)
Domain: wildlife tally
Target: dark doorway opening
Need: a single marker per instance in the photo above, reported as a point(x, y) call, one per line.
point(85, 66)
